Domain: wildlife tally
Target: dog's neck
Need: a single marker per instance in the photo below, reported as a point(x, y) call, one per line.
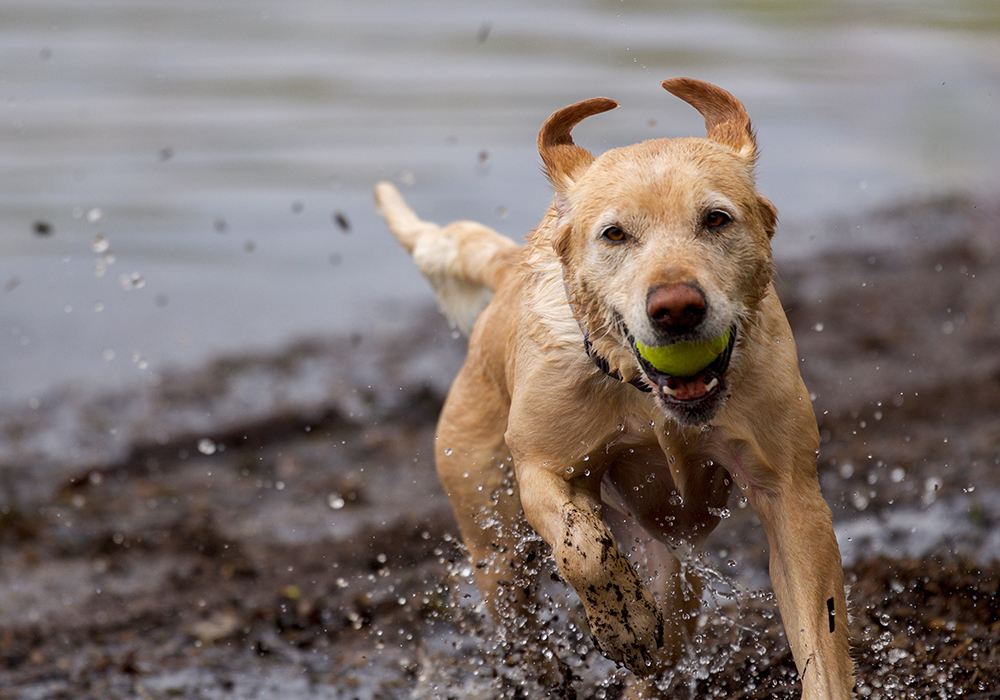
point(598, 359)
point(604, 366)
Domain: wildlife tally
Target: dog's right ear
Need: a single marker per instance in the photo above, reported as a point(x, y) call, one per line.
point(564, 160)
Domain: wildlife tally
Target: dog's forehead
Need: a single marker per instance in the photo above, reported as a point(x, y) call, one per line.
point(692, 156)
point(684, 172)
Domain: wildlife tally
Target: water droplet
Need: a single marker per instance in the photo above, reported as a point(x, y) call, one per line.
point(447, 452)
point(818, 328)
point(95, 215)
point(132, 281)
point(335, 501)
point(100, 244)
point(207, 447)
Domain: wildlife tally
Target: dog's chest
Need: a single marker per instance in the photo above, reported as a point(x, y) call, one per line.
point(665, 487)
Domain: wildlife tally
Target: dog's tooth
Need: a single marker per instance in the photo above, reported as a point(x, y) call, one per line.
point(712, 384)
point(668, 391)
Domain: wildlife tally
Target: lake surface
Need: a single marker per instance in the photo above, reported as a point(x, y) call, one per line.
point(183, 179)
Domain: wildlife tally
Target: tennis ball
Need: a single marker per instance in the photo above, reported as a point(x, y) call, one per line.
point(684, 359)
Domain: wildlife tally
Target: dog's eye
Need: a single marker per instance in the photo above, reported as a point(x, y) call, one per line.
point(717, 219)
point(614, 234)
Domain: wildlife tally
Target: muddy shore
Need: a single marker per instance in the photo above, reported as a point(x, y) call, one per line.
point(272, 527)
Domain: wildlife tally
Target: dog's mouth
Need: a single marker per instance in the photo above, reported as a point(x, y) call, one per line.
point(694, 399)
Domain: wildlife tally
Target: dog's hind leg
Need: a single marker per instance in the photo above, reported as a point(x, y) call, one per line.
point(676, 587)
point(678, 591)
point(464, 261)
point(476, 471)
point(485, 500)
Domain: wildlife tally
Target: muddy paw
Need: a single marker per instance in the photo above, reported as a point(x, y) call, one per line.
point(627, 626)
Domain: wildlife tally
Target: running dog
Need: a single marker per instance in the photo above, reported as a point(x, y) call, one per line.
point(560, 420)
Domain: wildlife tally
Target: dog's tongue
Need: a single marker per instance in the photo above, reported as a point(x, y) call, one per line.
point(687, 388)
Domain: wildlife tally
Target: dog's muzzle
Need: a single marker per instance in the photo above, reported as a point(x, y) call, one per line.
point(691, 400)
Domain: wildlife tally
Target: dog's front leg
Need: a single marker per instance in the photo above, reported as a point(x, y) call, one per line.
point(621, 611)
point(806, 572)
point(808, 583)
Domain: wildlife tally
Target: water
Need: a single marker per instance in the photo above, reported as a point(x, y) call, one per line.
point(226, 152)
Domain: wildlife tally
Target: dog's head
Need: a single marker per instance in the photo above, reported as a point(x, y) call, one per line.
point(663, 241)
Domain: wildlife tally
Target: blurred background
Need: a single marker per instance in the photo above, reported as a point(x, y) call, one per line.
point(185, 179)
point(220, 375)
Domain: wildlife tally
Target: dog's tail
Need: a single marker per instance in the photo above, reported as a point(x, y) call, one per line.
point(464, 261)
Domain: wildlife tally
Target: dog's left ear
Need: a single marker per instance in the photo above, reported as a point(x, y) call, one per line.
point(726, 120)
point(564, 160)
point(768, 215)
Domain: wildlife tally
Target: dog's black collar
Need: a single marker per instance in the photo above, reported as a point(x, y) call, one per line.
point(599, 360)
point(602, 364)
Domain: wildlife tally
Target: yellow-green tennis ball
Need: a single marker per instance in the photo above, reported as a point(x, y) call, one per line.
point(684, 359)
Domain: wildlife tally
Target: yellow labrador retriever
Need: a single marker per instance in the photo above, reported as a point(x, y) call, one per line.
point(557, 419)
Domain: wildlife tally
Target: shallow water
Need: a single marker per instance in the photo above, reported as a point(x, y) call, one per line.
point(312, 468)
point(224, 153)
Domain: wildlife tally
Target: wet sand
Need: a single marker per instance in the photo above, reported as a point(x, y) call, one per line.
point(272, 527)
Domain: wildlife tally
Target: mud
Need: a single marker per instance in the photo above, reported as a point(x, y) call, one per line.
point(272, 526)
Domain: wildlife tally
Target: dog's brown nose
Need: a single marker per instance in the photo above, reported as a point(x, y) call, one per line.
point(676, 308)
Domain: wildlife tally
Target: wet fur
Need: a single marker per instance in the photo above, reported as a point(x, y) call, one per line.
point(534, 436)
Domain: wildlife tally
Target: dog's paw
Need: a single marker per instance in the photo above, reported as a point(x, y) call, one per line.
point(627, 626)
